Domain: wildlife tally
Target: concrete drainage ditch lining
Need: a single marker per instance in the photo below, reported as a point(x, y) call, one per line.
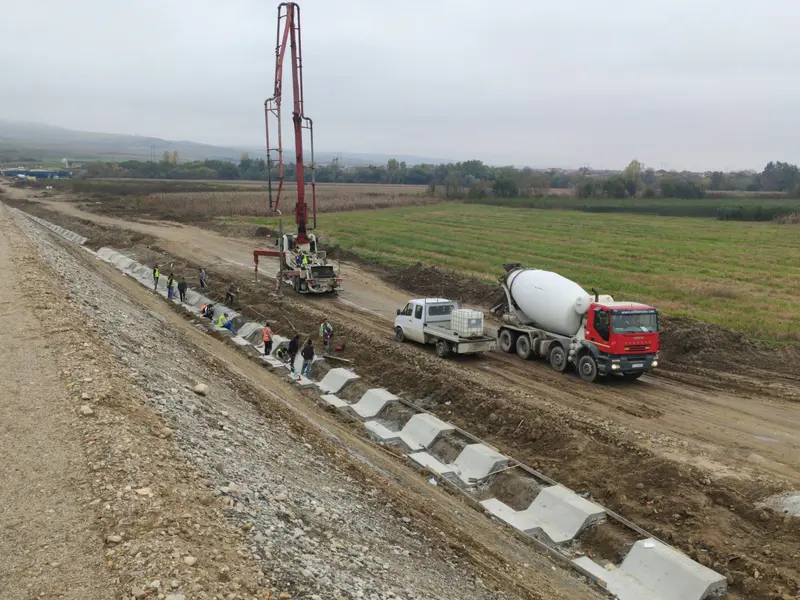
point(57, 229)
point(554, 520)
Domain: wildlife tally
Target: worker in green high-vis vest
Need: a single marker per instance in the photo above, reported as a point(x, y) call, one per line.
point(156, 275)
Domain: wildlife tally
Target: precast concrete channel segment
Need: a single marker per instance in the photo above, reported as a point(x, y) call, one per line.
point(555, 518)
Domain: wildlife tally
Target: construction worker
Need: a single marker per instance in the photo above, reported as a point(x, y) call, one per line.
point(170, 286)
point(305, 260)
point(294, 348)
point(308, 358)
point(326, 333)
point(182, 290)
point(231, 295)
point(282, 354)
point(225, 322)
point(298, 260)
point(207, 310)
point(202, 278)
point(156, 275)
point(267, 333)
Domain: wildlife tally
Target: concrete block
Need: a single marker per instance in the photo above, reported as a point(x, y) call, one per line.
point(372, 402)
point(422, 430)
point(334, 401)
point(336, 379)
point(250, 328)
point(476, 461)
point(300, 380)
point(430, 462)
point(673, 574)
point(621, 585)
point(240, 341)
point(383, 433)
point(557, 512)
point(273, 363)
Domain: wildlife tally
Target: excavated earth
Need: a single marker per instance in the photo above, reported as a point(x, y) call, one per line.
point(689, 454)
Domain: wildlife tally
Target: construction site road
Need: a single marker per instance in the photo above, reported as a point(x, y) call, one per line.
point(146, 458)
point(724, 427)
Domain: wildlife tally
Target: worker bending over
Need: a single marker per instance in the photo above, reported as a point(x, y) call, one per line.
point(207, 310)
point(267, 333)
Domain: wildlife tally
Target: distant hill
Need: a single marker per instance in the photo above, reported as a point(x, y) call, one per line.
point(44, 143)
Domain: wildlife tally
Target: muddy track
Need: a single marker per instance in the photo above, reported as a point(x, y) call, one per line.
point(681, 461)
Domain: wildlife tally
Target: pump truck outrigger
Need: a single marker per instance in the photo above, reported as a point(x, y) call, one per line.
point(549, 316)
point(301, 263)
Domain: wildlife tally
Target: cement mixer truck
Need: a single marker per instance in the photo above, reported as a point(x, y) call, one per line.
point(546, 315)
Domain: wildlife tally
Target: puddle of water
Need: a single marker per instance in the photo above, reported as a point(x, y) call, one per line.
point(766, 438)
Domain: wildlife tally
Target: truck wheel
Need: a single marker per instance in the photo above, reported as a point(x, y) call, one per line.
point(507, 341)
point(524, 347)
point(399, 336)
point(297, 284)
point(633, 376)
point(442, 349)
point(558, 358)
point(587, 368)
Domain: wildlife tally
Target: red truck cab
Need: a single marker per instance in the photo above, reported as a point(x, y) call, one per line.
point(621, 338)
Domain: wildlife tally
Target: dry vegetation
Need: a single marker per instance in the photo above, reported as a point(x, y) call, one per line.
point(200, 206)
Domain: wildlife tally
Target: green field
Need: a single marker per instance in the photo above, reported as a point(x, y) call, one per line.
point(755, 207)
point(745, 276)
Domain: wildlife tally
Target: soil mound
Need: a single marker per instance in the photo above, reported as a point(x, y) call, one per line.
point(688, 338)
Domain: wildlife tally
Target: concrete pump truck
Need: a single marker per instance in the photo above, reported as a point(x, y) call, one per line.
point(301, 262)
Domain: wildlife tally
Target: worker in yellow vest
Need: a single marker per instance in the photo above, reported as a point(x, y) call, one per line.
point(267, 333)
point(225, 322)
point(156, 275)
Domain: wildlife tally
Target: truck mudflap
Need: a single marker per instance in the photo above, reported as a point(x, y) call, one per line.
point(475, 347)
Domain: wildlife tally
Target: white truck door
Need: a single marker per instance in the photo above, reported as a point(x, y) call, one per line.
point(417, 328)
point(403, 320)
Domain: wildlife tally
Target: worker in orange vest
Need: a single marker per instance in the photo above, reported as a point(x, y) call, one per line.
point(267, 332)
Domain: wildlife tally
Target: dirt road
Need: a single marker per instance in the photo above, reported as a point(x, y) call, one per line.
point(686, 417)
point(248, 490)
point(49, 543)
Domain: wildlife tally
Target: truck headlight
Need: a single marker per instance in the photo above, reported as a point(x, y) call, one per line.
point(614, 367)
point(655, 363)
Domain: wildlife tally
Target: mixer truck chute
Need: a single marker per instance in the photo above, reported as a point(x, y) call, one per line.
point(549, 316)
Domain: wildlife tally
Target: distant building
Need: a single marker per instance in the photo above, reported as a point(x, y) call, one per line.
point(21, 173)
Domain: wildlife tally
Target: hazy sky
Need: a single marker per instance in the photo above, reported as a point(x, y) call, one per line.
point(676, 83)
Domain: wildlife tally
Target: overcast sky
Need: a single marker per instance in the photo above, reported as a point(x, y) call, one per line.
point(698, 84)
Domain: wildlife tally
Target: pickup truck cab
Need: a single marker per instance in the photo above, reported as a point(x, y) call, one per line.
point(442, 322)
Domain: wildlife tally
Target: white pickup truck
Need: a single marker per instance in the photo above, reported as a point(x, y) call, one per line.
point(443, 323)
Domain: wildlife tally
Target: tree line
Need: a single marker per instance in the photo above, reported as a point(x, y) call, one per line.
point(474, 179)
